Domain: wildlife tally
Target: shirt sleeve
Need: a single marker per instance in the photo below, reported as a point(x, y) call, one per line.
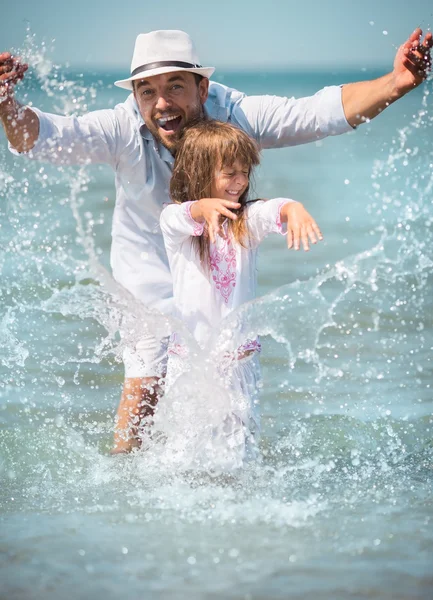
point(264, 217)
point(91, 138)
point(177, 224)
point(277, 122)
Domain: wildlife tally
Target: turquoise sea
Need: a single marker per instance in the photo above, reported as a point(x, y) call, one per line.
point(341, 505)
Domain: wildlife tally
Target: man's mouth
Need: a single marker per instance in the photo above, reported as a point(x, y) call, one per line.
point(170, 123)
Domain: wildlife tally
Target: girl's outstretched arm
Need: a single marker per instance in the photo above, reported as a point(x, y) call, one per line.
point(301, 227)
point(282, 215)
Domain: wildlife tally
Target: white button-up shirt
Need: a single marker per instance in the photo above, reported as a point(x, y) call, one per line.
point(142, 167)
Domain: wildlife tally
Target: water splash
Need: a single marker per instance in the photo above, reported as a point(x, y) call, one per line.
point(345, 436)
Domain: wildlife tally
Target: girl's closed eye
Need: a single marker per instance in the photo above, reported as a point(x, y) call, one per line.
point(231, 181)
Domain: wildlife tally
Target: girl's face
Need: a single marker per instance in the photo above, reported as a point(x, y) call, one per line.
point(230, 182)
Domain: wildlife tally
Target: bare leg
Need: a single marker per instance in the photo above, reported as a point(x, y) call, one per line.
point(139, 397)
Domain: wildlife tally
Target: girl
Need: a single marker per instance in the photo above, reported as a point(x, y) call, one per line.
point(212, 246)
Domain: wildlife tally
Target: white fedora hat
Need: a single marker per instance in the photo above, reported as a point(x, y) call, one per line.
point(163, 52)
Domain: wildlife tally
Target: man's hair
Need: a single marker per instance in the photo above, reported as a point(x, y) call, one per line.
point(197, 78)
point(204, 147)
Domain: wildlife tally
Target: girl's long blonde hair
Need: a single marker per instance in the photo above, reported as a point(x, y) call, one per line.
point(205, 147)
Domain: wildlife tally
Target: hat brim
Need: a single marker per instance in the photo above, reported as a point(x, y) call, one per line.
point(126, 84)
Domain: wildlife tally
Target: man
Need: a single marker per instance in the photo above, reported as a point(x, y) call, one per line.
point(138, 139)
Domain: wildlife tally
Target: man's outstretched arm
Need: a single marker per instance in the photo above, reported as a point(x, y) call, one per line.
point(20, 123)
point(66, 140)
point(364, 100)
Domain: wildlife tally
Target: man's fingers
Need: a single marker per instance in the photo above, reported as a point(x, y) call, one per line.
point(418, 56)
point(415, 35)
point(6, 80)
point(5, 56)
point(417, 70)
point(423, 45)
point(428, 40)
point(8, 76)
point(12, 73)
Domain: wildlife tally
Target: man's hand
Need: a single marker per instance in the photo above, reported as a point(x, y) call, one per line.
point(364, 100)
point(301, 227)
point(11, 71)
point(214, 211)
point(412, 63)
point(20, 123)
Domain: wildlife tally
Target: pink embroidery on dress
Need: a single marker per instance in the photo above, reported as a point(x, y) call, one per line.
point(197, 227)
point(223, 267)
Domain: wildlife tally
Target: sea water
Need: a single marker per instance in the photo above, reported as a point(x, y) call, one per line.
point(340, 506)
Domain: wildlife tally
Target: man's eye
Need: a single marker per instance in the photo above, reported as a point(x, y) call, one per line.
point(146, 92)
point(176, 86)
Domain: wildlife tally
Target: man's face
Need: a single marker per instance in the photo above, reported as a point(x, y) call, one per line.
point(168, 101)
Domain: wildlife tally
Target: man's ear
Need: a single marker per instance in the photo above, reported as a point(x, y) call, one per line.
point(203, 89)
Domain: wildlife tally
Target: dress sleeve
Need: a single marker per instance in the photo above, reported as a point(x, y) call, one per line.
point(277, 122)
point(264, 217)
point(177, 223)
point(91, 138)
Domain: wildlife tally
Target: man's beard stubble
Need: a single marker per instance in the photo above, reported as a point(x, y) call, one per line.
point(171, 146)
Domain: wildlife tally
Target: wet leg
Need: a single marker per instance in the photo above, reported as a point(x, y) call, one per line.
point(137, 406)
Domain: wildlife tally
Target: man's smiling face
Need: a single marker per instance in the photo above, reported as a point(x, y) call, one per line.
point(168, 101)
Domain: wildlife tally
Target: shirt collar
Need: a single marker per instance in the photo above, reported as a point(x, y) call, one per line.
point(141, 125)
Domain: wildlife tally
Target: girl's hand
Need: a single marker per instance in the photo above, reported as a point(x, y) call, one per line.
point(300, 226)
point(214, 211)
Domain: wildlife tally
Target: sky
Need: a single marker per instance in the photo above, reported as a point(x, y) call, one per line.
point(229, 34)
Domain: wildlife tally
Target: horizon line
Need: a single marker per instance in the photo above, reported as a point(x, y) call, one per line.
point(250, 69)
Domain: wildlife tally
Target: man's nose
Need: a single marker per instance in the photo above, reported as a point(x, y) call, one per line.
point(163, 103)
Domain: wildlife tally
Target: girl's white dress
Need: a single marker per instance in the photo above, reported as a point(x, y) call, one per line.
point(203, 298)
